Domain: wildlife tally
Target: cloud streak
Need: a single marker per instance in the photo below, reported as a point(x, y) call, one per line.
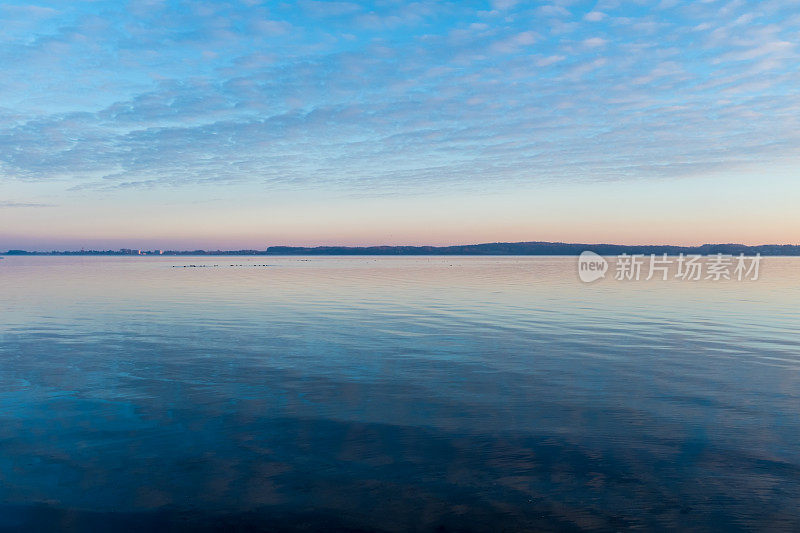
point(13, 205)
point(402, 96)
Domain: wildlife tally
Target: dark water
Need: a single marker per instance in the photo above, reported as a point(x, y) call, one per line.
point(394, 394)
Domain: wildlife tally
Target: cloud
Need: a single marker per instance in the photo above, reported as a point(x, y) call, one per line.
point(594, 16)
point(595, 42)
point(29, 11)
point(773, 48)
point(271, 27)
point(549, 60)
point(553, 11)
point(515, 42)
point(503, 5)
point(6, 204)
point(318, 8)
point(397, 96)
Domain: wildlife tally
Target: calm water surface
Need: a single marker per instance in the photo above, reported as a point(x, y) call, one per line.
point(394, 394)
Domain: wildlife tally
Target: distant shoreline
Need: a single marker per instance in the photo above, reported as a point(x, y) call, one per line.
point(485, 249)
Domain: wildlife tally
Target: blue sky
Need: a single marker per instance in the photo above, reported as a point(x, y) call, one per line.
point(251, 123)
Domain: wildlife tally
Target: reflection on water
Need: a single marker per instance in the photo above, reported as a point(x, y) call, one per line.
point(394, 394)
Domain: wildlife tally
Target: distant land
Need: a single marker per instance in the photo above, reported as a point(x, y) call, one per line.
point(494, 248)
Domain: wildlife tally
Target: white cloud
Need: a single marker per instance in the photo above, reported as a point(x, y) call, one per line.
point(503, 5)
point(4, 204)
point(554, 10)
point(595, 42)
point(515, 42)
point(549, 60)
point(595, 16)
point(444, 100)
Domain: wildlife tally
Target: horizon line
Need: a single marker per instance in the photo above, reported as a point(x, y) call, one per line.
point(290, 249)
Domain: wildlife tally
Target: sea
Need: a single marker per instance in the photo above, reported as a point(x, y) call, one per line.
point(394, 394)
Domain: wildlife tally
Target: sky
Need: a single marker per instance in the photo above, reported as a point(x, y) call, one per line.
point(182, 125)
